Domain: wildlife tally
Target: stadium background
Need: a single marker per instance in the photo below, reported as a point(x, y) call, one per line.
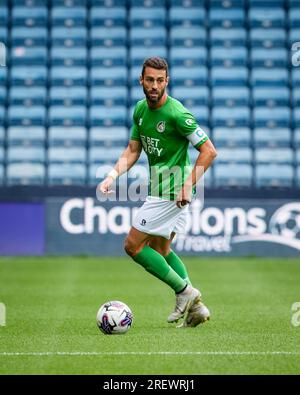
point(68, 84)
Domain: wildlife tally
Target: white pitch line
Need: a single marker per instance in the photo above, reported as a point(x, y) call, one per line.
point(83, 353)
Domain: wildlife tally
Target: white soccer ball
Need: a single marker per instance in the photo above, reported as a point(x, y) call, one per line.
point(114, 318)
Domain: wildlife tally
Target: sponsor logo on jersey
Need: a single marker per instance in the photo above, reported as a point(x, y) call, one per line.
point(161, 126)
point(189, 121)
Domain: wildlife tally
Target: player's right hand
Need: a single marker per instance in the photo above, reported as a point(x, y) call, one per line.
point(106, 185)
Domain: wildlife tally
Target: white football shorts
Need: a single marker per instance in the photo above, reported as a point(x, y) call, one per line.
point(160, 217)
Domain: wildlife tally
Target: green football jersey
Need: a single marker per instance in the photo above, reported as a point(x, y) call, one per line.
point(165, 134)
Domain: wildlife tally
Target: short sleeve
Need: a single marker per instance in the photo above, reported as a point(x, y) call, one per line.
point(188, 127)
point(134, 134)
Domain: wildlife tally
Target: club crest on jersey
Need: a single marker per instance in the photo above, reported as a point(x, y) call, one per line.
point(161, 126)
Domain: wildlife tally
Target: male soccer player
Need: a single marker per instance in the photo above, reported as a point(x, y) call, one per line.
point(163, 127)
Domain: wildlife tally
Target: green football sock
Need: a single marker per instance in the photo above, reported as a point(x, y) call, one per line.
point(156, 264)
point(178, 266)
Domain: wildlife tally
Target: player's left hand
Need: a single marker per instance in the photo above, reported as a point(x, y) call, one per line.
point(184, 197)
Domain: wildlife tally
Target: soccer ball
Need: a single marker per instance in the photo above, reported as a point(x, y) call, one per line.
point(114, 318)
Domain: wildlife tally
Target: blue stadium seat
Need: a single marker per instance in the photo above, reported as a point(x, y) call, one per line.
point(108, 57)
point(108, 76)
point(147, 3)
point(66, 174)
point(262, 57)
point(268, 117)
point(104, 154)
point(188, 57)
point(232, 137)
point(28, 76)
point(278, 137)
point(271, 96)
point(237, 96)
point(29, 36)
point(143, 17)
point(29, 16)
point(3, 75)
point(136, 94)
point(69, 16)
point(222, 37)
point(297, 138)
point(17, 154)
point(227, 18)
point(267, 38)
point(108, 137)
point(68, 76)
point(67, 116)
point(113, 96)
point(109, 37)
point(233, 175)
point(3, 16)
point(25, 96)
point(2, 115)
point(235, 155)
point(270, 175)
point(3, 34)
point(26, 136)
point(26, 116)
point(274, 156)
point(108, 116)
point(108, 17)
point(137, 55)
point(234, 76)
point(69, 36)
point(25, 173)
point(3, 95)
point(296, 115)
point(74, 136)
point(263, 77)
point(67, 155)
point(188, 3)
point(62, 56)
point(31, 56)
point(2, 178)
point(295, 77)
point(297, 157)
point(196, 76)
point(190, 97)
point(68, 96)
point(298, 176)
point(228, 57)
point(201, 113)
point(2, 134)
point(187, 17)
point(151, 37)
point(187, 36)
point(294, 17)
point(2, 154)
point(230, 117)
point(29, 3)
point(266, 17)
point(294, 35)
point(266, 3)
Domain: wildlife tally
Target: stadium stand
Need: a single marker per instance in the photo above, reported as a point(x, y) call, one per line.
point(72, 79)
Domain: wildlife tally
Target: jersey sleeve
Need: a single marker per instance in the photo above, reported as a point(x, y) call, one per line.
point(134, 133)
point(188, 127)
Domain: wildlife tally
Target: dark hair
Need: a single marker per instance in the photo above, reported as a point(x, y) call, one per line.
point(156, 63)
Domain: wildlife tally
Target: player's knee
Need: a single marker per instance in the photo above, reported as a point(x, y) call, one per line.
point(129, 247)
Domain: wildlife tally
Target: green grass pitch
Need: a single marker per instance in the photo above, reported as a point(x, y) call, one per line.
point(51, 305)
